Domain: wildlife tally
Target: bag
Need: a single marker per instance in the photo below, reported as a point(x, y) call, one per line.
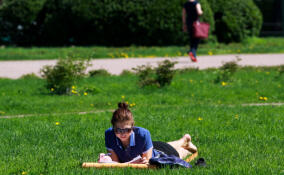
point(201, 30)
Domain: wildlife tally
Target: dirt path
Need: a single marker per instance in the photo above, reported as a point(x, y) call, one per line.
point(15, 69)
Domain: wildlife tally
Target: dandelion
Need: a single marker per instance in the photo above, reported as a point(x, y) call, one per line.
point(200, 118)
point(57, 123)
point(267, 73)
point(24, 173)
point(123, 97)
point(2, 112)
point(126, 102)
point(190, 81)
point(85, 93)
point(236, 116)
point(224, 83)
point(92, 105)
point(73, 87)
point(265, 98)
point(210, 53)
point(73, 91)
point(179, 53)
point(52, 89)
point(261, 98)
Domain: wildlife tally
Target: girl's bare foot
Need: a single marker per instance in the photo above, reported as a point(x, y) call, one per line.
point(188, 144)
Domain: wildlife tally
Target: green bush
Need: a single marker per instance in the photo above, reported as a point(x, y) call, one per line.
point(61, 77)
point(159, 76)
point(99, 72)
point(18, 21)
point(235, 20)
point(226, 71)
point(104, 22)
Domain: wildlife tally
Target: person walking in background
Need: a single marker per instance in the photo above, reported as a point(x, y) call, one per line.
point(190, 13)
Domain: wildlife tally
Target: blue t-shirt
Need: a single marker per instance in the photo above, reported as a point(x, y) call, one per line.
point(140, 142)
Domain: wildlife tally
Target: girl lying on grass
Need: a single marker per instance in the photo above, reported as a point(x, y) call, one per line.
point(127, 143)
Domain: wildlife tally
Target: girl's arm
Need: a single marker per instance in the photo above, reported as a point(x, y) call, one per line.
point(198, 9)
point(113, 156)
point(184, 20)
point(148, 155)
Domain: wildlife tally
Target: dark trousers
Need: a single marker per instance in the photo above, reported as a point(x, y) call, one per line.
point(193, 42)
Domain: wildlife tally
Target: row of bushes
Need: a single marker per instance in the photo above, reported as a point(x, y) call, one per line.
point(120, 22)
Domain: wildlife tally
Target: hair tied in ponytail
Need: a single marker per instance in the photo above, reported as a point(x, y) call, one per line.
point(122, 105)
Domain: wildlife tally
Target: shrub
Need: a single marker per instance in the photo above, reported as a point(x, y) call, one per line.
point(159, 76)
point(165, 73)
point(226, 71)
point(235, 20)
point(30, 76)
point(126, 73)
point(99, 72)
point(104, 22)
point(61, 77)
point(18, 21)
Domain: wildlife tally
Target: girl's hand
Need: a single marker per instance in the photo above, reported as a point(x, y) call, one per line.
point(140, 161)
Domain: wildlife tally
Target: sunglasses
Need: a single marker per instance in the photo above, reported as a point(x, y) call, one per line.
point(122, 131)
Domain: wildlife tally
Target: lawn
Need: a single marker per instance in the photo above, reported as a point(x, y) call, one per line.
point(251, 45)
point(233, 137)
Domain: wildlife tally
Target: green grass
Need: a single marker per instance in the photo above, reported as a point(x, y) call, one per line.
point(252, 45)
point(234, 139)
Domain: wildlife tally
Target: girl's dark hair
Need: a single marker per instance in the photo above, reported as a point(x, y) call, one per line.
point(122, 114)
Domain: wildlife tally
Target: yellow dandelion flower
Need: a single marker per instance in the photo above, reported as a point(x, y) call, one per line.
point(200, 118)
point(236, 116)
point(92, 105)
point(179, 53)
point(73, 87)
point(265, 98)
point(52, 89)
point(57, 123)
point(85, 93)
point(24, 173)
point(126, 102)
point(190, 81)
point(261, 98)
point(73, 91)
point(134, 104)
point(123, 97)
point(267, 73)
point(131, 105)
point(210, 53)
point(224, 83)
point(2, 112)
